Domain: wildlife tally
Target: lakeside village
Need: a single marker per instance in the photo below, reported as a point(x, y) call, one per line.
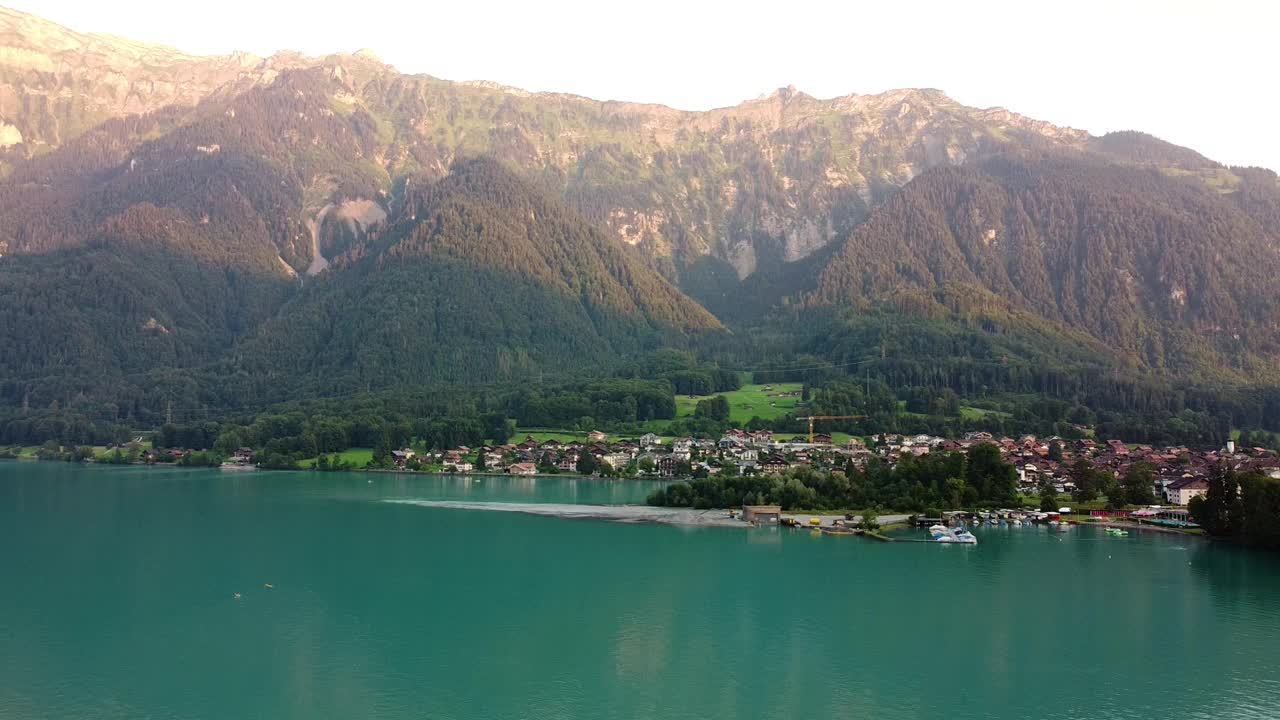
point(1178, 474)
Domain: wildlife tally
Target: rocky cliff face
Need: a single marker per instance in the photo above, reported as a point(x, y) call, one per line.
point(56, 83)
point(742, 191)
point(769, 181)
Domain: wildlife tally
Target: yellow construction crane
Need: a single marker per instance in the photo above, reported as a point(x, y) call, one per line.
point(811, 418)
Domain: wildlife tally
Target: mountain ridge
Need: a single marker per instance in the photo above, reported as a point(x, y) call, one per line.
point(335, 194)
point(770, 180)
point(32, 30)
point(677, 221)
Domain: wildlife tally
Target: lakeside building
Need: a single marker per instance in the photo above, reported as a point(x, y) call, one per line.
point(762, 514)
point(1181, 491)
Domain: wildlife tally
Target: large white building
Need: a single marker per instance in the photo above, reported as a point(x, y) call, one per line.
point(1181, 491)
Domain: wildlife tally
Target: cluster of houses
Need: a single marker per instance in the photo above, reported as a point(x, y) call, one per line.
point(531, 456)
point(749, 452)
point(1180, 473)
point(241, 457)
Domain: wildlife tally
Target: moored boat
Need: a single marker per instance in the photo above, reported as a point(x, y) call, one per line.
point(944, 534)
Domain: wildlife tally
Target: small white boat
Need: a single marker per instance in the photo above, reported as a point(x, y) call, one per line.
point(944, 534)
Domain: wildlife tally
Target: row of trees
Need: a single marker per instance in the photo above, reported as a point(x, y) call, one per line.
point(941, 379)
point(605, 403)
point(1240, 506)
point(1135, 487)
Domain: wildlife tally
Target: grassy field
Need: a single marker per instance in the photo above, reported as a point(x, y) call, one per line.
point(565, 436)
point(99, 451)
point(968, 412)
point(748, 402)
point(358, 457)
point(1064, 500)
point(658, 427)
point(545, 434)
point(745, 403)
point(542, 435)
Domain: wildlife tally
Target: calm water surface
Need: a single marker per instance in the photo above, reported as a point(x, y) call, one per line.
point(117, 601)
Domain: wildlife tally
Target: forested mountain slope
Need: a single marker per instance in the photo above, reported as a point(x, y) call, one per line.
point(1169, 272)
point(78, 323)
point(477, 278)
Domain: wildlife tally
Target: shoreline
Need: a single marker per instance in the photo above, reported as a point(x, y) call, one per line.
point(382, 471)
point(634, 514)
point(680, 517)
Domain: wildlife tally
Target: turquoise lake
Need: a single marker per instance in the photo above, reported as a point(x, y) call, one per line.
point(117, 600)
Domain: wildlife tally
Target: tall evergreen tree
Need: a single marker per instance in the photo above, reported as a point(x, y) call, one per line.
point(1139, 484)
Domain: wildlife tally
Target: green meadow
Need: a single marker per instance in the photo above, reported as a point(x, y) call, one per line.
point(750, 401)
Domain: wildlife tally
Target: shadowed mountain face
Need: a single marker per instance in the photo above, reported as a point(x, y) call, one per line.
point(1169, 272)
point(319, 221)
point(475, 277)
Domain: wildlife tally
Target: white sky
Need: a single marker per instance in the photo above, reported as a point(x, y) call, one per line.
point(1197, 73)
